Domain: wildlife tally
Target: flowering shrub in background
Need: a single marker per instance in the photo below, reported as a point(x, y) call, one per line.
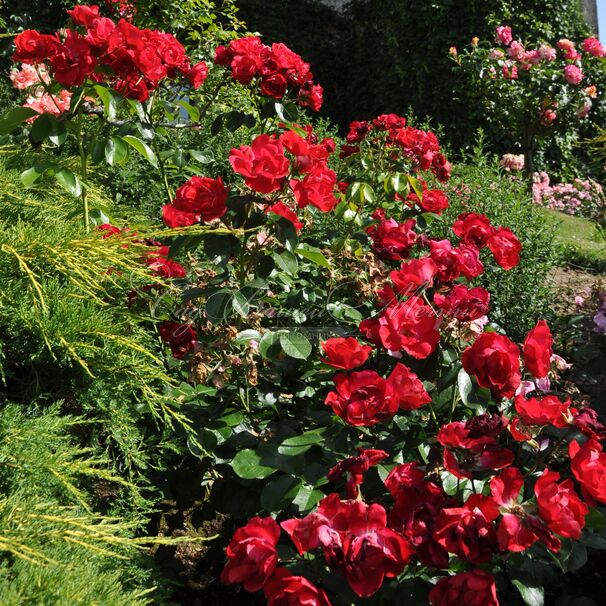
point(353, 404)
point(582, 198)
point(531, 92)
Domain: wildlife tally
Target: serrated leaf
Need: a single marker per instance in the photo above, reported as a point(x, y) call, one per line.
point(295, 345)
point(275, 494)
point(48, 127)
point(269, 346)
point(108, 100)
point(31, 175)
point(465, 386)
point(116, 151)
point(307, 498)
point(12, 118)
point(287, 262)
point(192, 112)
point(67, 179)
point(247, 465)
point(300, 444)
point(315, 256)
point(240, 304)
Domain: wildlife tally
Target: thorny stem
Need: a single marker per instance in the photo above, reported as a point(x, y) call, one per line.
point(83, 170)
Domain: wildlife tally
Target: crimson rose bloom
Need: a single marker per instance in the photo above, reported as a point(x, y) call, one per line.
point(588, 464)
point(73, 60)
point(161, 265)
point(252, 556)
point(262, 164)
point(34, 47)
point(202, 196)
point(316, 188)
point(274, 86)
point(469, 531)
point(495, 362)
point(464, 303)
point(475, 588)
point(548, 410)
point(408, 388)
point(392, 239)
point(505, 247)
point(286, 589)
point(279, 208)
point(433, 201)
point(197, 74)
point(410, 326)
point(345, 353)
point(473, 228)
point(355, 540)
point(414, 275)
point(182, 338)
point(84, 15)
point(559, 505)
point(362, 398)
point(537, 350)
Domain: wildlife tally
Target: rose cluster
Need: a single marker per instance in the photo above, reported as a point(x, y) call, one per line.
point(292, 167)
point(132, 60)
point(389, 133)
point(277, 69)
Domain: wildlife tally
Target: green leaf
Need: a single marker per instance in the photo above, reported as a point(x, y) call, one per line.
point(269, 346)
point(416, 186)
point(465, 386)
point(12, 118)
point(313, 255)
point(275, 495)
point(295, 345)
point(595, 519)
point(143, 148)
point(244, 336)
point(67, 179)
point(247, 465)
point(240, 304)
point(116, 151)
point(109, 101)
point(287, 262)
point(300, 444)
point(532, 596)
point(217, 125)
point(48, 127)
point(192, 112)
point(31, 175)
point(307, 498)
point(202, 157)
point(218, 305)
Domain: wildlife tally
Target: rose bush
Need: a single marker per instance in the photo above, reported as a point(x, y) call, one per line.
point(363, 360)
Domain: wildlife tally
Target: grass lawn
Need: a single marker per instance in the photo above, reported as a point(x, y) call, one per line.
point(580, 240)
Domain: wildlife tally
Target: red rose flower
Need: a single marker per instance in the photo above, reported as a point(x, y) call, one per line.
point(198, 74)
point(262, 164)
point(84, 15)
point(173, 217)
point(469, 531)
point(182, 338)
point(311, 95)
point(355, 468)
point(279, 208)
point(411, 326)
point(72, 62)
point(433, 201)
point(252, 556)
point(416, 508)
point(463, 303)
point(390, 122)
point(99, 33)
point(495, 362)
point(537, 350)
point(588, 464)
point(559, 505)
point(393, 240)
point(517, 529)
point(274, 86)
point(34, 47)
point(408, 388)
point(161, 265)
point(446, 258)
point(414, 275)
point(345, 353)
point(358, 131)
point(548, 410)
point(473, 228)
point(469, 261)
point(475, 588)
point(587, 421)
point(202, 196)
point(316, 188)
point(355, 540)
point(362, 398)
point(286, 589)
point(505, 247)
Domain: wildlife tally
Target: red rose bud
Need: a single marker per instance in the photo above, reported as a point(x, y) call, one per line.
point(345, 353)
